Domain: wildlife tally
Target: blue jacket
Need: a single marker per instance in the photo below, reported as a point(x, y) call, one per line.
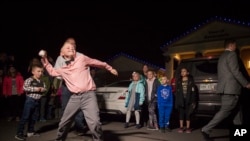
point(139, 92)
point(164, 95)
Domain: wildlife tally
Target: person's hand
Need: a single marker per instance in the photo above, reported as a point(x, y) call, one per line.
point(53, 95)
point(43, 89)
point(44, 60)
point(114, 72)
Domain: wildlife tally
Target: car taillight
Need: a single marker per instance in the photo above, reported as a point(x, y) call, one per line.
point(123, 96)
point(173, 85)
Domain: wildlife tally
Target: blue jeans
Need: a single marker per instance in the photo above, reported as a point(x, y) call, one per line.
point(30, 115)
point(79, 118)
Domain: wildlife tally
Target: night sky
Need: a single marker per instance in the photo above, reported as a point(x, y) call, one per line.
point(103, 29)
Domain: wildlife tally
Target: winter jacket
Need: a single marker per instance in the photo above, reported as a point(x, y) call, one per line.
point(191, 97)
point(7, 85)
point(140, 94)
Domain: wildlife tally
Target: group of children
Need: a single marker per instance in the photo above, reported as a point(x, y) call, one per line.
point(156, 94)
point(160, 99)
point(81, 85)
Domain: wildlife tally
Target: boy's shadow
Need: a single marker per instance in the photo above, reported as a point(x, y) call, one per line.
point(48, 127)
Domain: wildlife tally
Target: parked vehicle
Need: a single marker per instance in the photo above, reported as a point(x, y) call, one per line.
point(204, 72)
point(111, 98)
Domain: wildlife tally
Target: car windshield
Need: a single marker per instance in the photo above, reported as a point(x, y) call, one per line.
point(119, 84)
point(200, 67)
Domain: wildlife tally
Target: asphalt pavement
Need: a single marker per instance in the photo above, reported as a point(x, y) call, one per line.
point(113, 131)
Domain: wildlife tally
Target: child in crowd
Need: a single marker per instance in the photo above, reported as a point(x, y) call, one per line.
point(134, 99)
point(58, 105)
point(2, 98)
point(13, 91)
point(144, 108)
point(54, 104)
point(34, 87)
point(152, 83)
point(165, 104)
point(185, 100)
point(45, 97)
point(1, 80)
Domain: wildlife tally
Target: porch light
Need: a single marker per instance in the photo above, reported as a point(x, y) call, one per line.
point(248, 64)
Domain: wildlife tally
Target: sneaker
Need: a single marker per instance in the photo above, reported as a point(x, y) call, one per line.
point(151, 128)
point(156, 126)
point(168, 129)
point(20, 137)
point(181, 130)
point(126, 125)
point(162, 130)
point(33, 134)
point(188, 130)
point(138, 126)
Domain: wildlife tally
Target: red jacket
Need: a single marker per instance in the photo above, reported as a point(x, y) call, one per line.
point(7, 85)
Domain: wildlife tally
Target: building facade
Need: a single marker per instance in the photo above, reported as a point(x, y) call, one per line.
point(207, 39)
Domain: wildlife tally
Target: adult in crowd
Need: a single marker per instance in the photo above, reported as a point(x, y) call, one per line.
point(78, 80)
point(230, 83)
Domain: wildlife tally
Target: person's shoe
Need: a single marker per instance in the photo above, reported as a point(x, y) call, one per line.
point(156, 126)
point(33, 134)
point(181, 130)
point(162, 130)
point(151, 128)
point(168, 129)
point(188, 130)
point(138, 126)
point(205, 136)
point(126, 125)
point(20, 137)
